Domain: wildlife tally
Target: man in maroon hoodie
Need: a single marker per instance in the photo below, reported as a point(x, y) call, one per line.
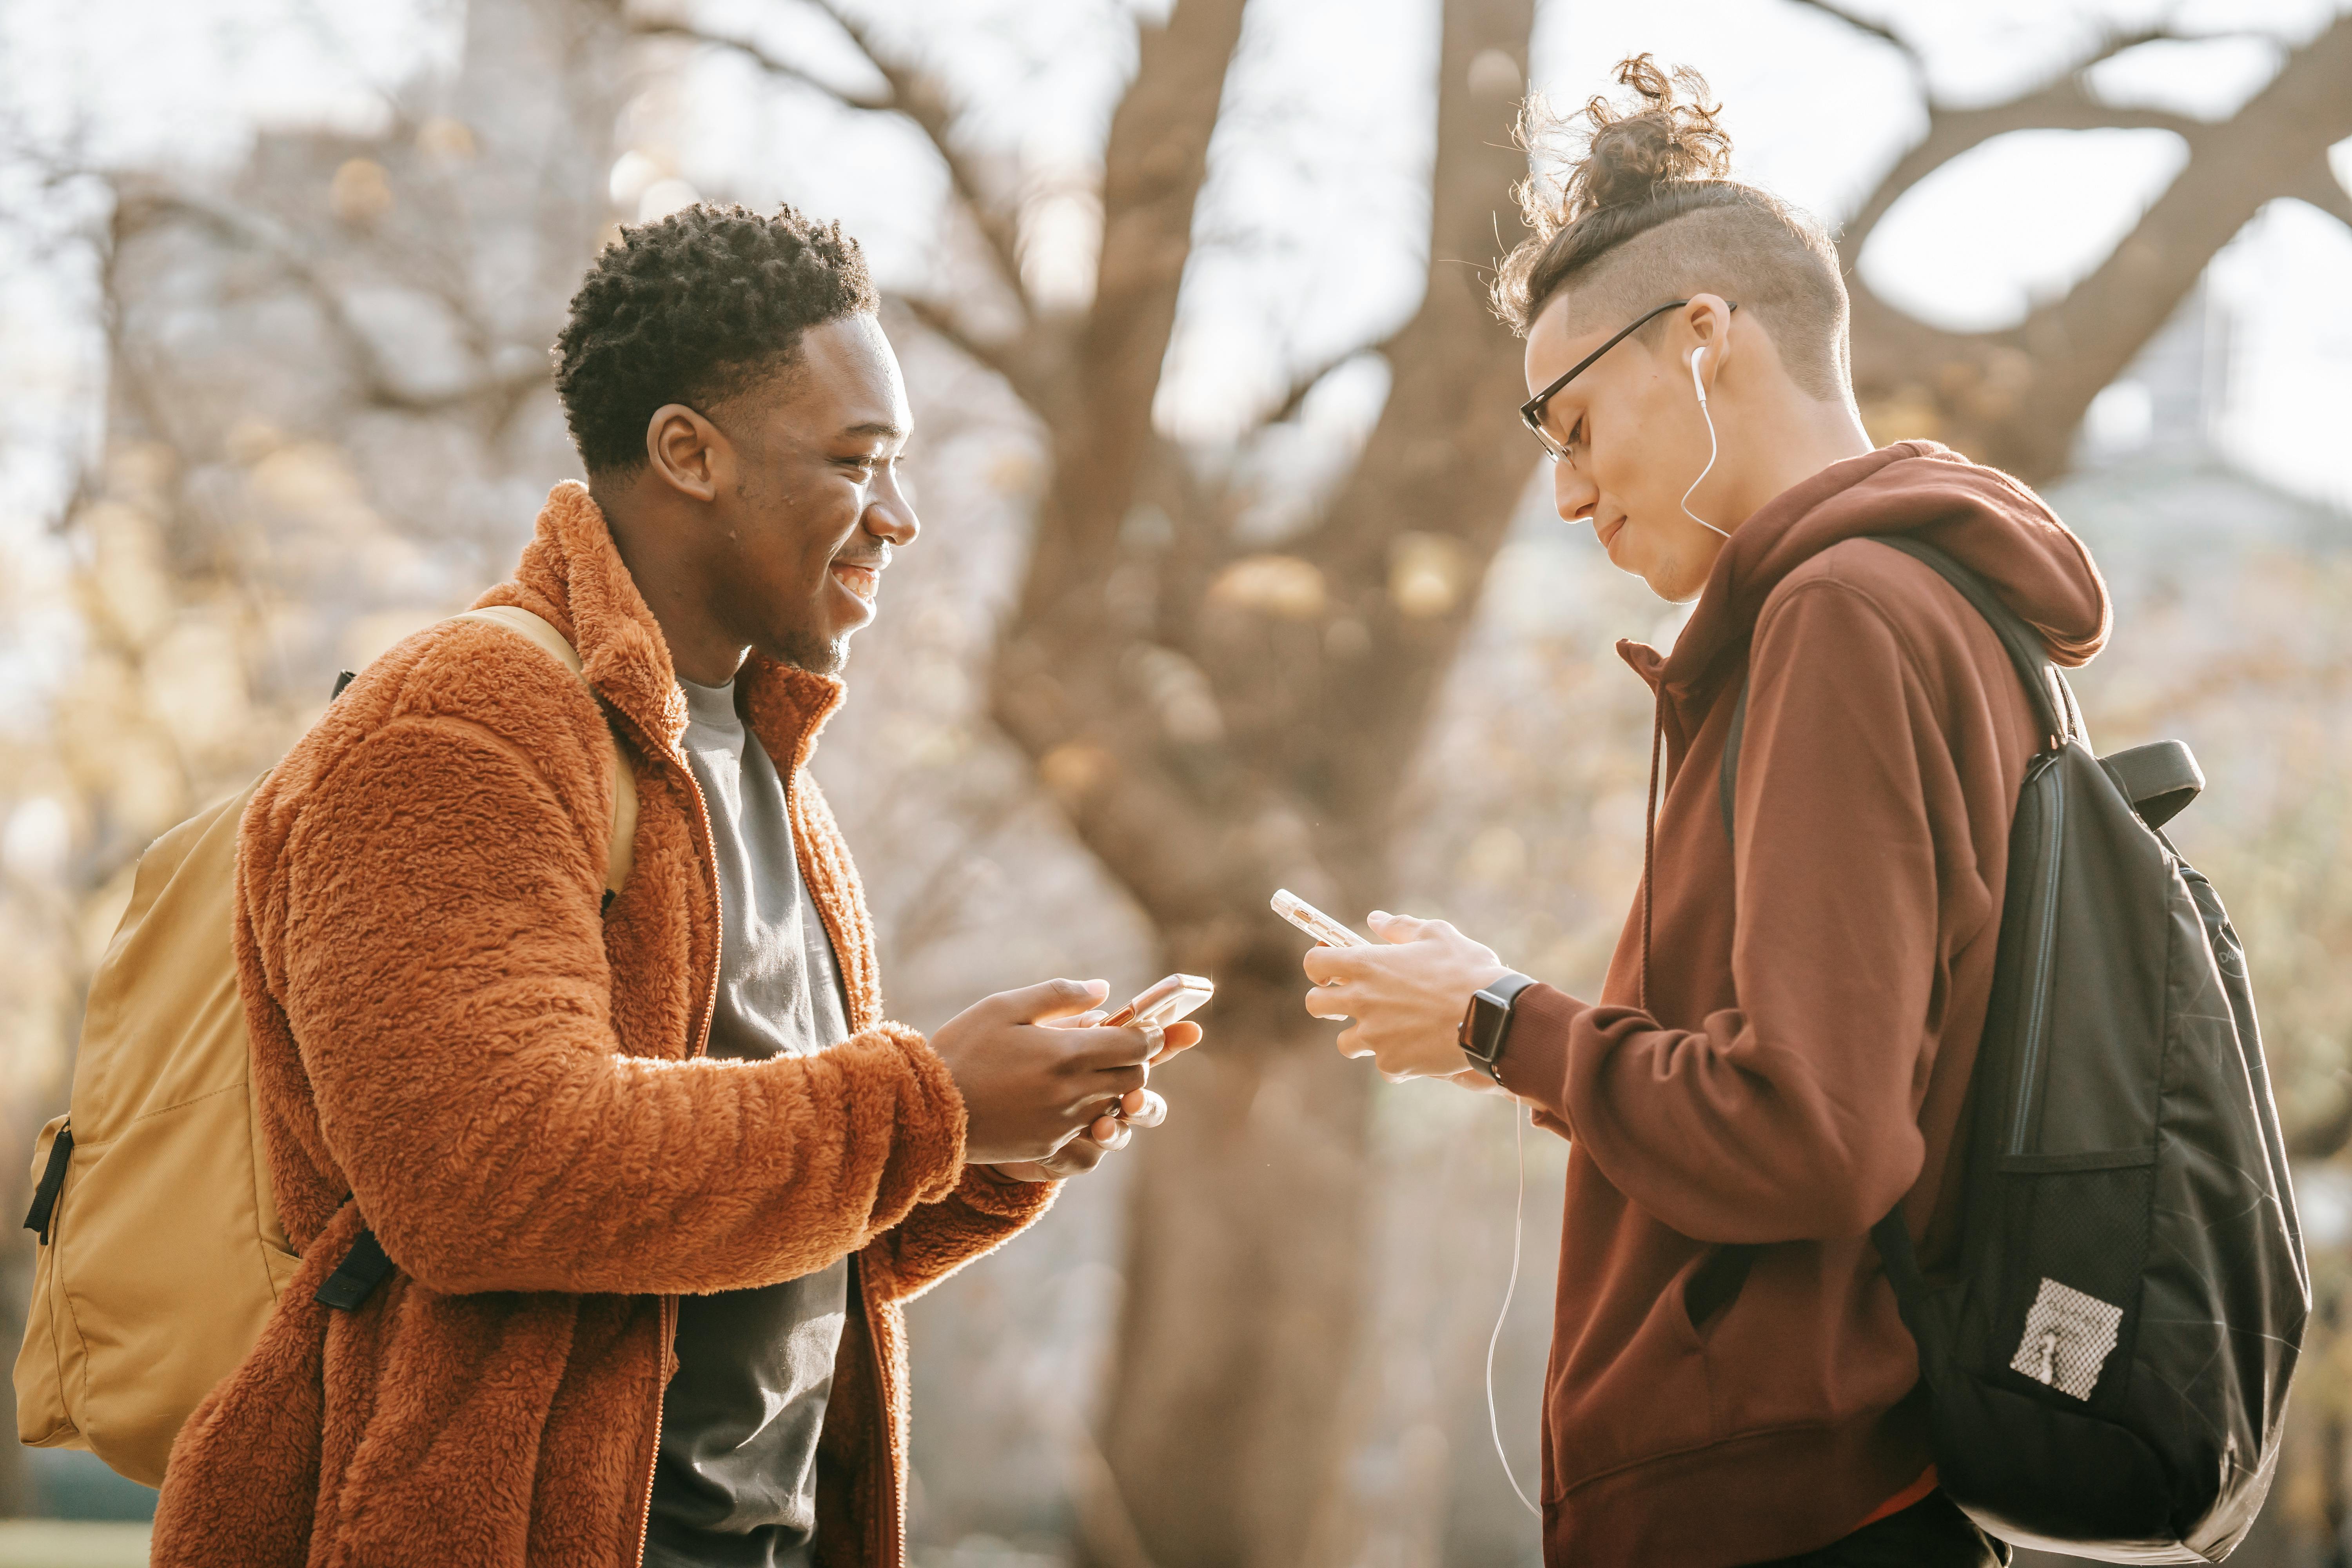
point(1780, 1052)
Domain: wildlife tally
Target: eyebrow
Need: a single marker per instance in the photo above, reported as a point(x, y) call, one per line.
point(881, 428)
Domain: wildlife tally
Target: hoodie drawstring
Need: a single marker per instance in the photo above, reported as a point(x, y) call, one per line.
point(1650, 833)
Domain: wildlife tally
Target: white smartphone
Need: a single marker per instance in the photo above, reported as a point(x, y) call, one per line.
point(1163, 1002)
point(1313, 921)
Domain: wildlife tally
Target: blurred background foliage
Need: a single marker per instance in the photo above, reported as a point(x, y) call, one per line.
point(1236, 571)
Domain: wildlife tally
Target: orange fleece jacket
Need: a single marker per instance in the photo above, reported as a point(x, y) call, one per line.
point(508, 1085)
point(1790, 1057)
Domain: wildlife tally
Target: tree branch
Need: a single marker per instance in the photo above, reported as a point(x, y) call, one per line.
point(1447, 459)
point(1153, 166)
point(1308, 380)
point(2015, 398)
point(1005, 360)
point(923, 99)
point(2064, 104)
point(911, 94)
point(2320, 187)
point(1879, 30)
point(774, 64)
point(139, 202)
point(2268, 149)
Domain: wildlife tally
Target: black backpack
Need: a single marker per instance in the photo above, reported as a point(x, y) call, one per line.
point(2106, 1366)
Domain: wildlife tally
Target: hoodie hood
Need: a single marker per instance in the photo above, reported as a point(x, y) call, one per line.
point(1980, 516)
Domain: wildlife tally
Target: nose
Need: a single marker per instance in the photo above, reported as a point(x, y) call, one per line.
point(1574, 495)
point(890, 514)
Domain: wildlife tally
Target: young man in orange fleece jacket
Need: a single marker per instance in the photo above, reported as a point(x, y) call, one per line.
point(653, 1169)
point(1780, 1052)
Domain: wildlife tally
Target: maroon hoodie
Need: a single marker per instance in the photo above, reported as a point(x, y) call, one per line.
point(1780, 1053)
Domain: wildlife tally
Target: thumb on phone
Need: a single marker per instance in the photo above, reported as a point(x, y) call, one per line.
point(1396, 928)
point(1053, 999)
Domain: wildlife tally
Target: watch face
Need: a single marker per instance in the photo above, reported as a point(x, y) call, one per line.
point(1486, 1015)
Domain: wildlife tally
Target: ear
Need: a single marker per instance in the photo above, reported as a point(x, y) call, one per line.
point(687, 452)
point(1706, 326)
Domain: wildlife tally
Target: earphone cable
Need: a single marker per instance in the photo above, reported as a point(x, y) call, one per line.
point(1703, 413)
point(1518, 1213)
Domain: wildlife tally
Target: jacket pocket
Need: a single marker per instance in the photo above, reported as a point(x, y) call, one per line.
point(1710, 1289)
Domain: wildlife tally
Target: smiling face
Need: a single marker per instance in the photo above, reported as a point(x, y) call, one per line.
point(1636, 437)
point(808, 506)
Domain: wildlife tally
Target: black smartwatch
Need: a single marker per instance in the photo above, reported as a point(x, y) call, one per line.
point(1487, 1025)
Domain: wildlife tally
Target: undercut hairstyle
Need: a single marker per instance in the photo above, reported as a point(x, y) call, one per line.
point(1645, 213)
point(694, 308)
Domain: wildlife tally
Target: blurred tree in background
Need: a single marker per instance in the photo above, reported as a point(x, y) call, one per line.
point(1133, 678)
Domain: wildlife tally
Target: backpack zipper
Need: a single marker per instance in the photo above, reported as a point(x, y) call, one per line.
point(2044, 956)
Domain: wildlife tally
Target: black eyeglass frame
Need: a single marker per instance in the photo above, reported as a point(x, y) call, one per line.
point(1532, 412)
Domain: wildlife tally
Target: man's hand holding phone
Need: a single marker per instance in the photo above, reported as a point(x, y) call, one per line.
point(1406, 993)
point(1049, 1087)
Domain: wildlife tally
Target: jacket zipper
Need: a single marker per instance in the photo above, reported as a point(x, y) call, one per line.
point(701, 1044)
point(653, 1460)
point(891, 1522)
point(892, 1519)
point(2037, 1011)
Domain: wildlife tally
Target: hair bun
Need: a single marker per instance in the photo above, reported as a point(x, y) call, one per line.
point(1668, 133)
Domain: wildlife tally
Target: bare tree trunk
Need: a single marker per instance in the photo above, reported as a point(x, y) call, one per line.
point(1246, 1260)
point(1242, 1281)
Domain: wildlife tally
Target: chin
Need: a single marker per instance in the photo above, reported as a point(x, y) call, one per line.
point(814, 651)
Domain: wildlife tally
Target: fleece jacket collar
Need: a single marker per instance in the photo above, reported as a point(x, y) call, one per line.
point(573, 575)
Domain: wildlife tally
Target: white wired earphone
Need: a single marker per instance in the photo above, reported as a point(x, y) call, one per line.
point(1700, 387)
point(1518, 1213)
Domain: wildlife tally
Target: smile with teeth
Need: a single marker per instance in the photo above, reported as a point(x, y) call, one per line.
point(863, 581)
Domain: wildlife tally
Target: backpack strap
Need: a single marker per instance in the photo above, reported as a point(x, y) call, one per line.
point(535, 628)
point(2052, 699)
point(365, 1265)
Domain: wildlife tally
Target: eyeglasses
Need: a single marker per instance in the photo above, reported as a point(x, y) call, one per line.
point(1532, 410)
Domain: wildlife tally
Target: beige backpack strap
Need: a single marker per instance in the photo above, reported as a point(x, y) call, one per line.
point(622, 848)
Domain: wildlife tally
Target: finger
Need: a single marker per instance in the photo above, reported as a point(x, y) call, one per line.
point(1145, 1109)
point(1328, 966)
point(1052, 999)
point(1396, 928)
point(1130, 1046)
point(1113, 1083)
point(1109, 1131)
point(1477, 1082)
point(1086, 1020)
point(1331, 1001)
point(1181, 1038)
point(1075, 1158)
point(1351, 1042)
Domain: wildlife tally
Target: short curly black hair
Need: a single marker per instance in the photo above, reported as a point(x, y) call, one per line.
point(691, 309)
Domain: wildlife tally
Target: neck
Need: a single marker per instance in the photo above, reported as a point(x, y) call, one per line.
point(1786, 442)
point(658, 547)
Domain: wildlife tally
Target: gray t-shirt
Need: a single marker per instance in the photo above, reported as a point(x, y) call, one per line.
point(735, 1482)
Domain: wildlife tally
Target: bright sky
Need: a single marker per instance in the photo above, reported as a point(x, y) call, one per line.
point(1312, 224)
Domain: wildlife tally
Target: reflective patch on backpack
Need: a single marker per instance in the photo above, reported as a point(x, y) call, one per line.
point(2068, 1338)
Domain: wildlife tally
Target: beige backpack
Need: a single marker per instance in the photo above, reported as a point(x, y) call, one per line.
point(160, 1252)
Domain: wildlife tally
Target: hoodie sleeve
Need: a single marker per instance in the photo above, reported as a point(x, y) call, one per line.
point(1791, 1115)
point(446, 980)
